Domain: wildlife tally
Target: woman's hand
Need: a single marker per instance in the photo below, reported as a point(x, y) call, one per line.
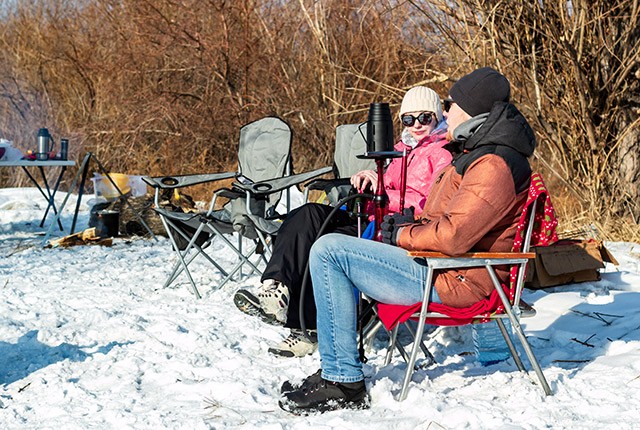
point(364, 179)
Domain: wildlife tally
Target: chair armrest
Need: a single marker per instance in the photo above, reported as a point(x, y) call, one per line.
point(180, 181)
point(229, 193)
point(327, 184)
point(485, 255)
point(276, 185)
point(438, 260)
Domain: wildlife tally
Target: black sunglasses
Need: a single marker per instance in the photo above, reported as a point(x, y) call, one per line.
point(446, 104)
point(424, 118)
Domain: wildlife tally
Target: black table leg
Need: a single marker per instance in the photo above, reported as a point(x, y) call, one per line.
point(85, 170)
point(51, 195)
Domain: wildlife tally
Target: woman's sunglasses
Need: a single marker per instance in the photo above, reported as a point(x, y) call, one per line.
point(446, 104)
point(424, 118)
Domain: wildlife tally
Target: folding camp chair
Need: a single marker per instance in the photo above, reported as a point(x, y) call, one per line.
point(264, 152)
point(350, 142)
point(537, 225)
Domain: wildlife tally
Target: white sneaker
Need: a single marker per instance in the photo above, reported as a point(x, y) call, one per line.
point(274, 299)
point(296, 345)
point(270, 303)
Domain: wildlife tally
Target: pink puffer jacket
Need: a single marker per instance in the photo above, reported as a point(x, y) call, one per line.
point(423, 163)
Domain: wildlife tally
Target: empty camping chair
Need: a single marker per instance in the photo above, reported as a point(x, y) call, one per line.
point(264, 152)
point(536, 227)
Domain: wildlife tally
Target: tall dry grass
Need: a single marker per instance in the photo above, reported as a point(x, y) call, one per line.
point(575, 69)
point(163, 86)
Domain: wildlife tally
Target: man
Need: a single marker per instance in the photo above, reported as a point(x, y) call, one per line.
point(474, 205)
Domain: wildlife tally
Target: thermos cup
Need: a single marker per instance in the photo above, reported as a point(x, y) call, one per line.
point(44, 139)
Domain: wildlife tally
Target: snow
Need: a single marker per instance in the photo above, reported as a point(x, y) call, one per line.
point(90, 339)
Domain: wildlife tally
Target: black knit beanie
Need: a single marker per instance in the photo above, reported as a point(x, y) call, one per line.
point(476, 92)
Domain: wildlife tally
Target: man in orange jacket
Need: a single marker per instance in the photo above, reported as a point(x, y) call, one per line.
point(474, 205)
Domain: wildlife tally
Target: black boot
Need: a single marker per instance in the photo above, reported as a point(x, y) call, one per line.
point(287, 386)
point(316, 394)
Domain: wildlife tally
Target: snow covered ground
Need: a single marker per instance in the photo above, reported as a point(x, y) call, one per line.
point(90, 339)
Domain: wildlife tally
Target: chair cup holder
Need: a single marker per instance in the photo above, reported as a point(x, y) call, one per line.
point(169, 180)
point(262, 187)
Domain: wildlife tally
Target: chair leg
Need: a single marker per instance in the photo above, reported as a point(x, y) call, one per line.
point(182, 255)
point(240, 277)
point(194, 289)
point(177, 270)
point(393, 335)
point(512, 348)
point(238, 267)
point(370, 334)
point(518, 329)
point(370, 331)
point(253, 266)
point(418, 335)
point(200, 251)
point(265, 241)
point(530, 355)
point(423, 347)
point(411, 363)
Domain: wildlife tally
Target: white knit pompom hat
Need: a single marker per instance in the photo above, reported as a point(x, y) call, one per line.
point(421, 99)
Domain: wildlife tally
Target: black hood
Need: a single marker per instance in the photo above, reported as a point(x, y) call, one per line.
point(505, 133)
point(505, 126)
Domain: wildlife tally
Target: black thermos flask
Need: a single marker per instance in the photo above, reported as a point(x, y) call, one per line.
point(379, 128)
point(64, 149)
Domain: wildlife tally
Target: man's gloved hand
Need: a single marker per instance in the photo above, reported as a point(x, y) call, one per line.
point(390, 223)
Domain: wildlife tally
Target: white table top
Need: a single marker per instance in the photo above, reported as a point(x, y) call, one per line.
point(37, 163)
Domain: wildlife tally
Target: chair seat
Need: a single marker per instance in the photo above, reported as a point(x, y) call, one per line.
point(220, 218)
point(391, 315)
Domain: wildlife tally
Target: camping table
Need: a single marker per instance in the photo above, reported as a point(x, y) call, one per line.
point(48, 192)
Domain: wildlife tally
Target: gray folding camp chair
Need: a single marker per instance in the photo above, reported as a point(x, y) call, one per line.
point(264, 153)
point(350, 143)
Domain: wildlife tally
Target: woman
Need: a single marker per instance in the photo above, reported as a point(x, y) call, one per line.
point(277, 300)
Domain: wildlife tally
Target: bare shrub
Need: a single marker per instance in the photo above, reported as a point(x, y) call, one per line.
point(575, 67)
point(163, 86)
point(159, 87)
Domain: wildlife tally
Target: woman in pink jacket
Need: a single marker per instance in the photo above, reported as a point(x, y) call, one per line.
point(277, 300)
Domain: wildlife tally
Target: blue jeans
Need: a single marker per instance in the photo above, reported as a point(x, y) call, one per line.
point(340, 263)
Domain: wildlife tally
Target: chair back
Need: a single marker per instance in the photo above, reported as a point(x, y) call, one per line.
point(350, 143)
point(264, 151)
point(537, 227)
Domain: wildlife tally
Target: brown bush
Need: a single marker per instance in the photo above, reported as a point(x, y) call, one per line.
point(575, 70)
point(163, 86)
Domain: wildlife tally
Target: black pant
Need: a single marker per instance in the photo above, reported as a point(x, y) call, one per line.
point(291, 254)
